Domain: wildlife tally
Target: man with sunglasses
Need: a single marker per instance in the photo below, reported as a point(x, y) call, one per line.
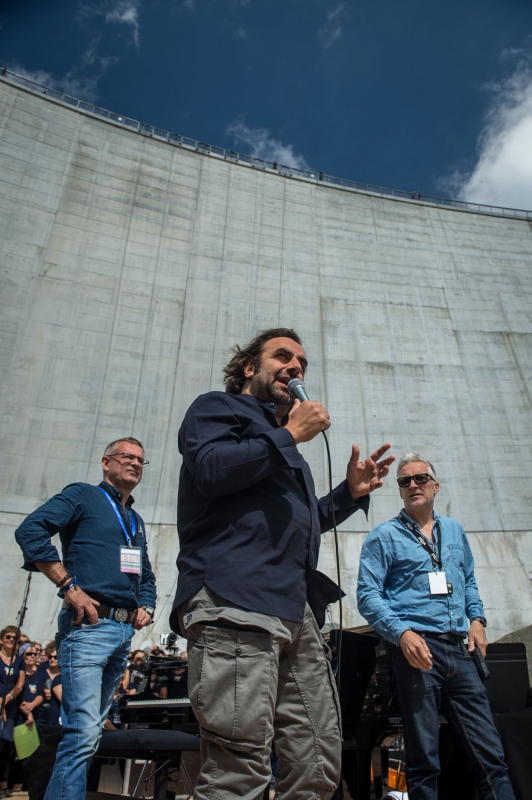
point(108, 591)
point(417, 588)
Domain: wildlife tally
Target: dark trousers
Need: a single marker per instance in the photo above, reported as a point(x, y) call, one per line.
point(453, 688)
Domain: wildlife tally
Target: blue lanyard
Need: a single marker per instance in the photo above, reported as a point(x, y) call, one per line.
point(121, 521)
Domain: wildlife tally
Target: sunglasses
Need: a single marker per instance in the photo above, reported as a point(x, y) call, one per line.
point(421, 479)
point(30, 654)
point(52, 658)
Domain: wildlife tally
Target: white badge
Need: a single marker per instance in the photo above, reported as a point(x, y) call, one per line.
point(438, 583)
point(131, 560)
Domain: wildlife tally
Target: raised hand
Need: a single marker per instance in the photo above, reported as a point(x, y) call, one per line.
point(365, 476)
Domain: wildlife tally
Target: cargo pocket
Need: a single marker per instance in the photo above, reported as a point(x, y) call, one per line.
point(229, 681)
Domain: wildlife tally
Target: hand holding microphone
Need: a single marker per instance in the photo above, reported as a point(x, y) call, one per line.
point(307, 417)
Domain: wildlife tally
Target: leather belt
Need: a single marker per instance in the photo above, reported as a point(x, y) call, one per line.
point(453, 638)
point(107, 612)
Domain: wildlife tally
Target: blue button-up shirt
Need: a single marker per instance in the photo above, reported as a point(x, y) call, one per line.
point(248, 519)
point(91, 538)
point(393, 581)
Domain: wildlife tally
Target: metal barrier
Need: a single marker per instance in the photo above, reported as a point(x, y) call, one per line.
point(283, 169)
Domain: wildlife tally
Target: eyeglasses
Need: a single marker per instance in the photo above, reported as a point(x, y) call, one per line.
point(29, 654)
point(420, 479)
point(52, 658)
point(129, 458)
point(9, 636)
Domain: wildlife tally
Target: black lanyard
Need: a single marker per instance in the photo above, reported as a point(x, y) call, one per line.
point(435, 556)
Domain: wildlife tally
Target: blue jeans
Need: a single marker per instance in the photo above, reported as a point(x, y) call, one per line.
point(453, 687)
point(92, 659)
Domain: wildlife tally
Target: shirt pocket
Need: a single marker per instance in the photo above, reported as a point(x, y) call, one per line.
point(457, 555)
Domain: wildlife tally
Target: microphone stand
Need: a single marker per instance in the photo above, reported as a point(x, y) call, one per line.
point(20, 621)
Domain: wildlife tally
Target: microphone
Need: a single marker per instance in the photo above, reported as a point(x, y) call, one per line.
point(296, 387)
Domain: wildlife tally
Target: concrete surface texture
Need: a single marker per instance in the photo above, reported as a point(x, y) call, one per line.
point(130, 266)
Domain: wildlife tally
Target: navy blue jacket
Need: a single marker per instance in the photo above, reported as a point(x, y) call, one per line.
point(91, 537)
point(248, 519)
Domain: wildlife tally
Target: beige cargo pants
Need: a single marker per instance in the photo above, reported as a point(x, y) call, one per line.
point(252, 679)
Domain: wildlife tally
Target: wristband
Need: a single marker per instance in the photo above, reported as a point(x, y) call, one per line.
point(63, 580)
point(73, 582)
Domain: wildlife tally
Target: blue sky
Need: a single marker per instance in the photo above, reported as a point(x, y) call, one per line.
point(425, 96)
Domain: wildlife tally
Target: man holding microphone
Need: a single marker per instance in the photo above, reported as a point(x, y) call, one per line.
point(249, 528)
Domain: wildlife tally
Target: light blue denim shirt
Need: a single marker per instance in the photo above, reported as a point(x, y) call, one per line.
point(393, 591)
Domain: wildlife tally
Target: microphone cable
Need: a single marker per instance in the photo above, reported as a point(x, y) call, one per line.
point(338, 576)
point(297, 389)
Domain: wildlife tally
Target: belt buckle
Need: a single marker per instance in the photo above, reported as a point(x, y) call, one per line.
point(121, 614)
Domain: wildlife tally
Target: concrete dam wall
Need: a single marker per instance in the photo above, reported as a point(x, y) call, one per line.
point(129, 266)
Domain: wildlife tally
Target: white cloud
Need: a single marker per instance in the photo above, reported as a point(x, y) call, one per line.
point(503, 173)
point(126, 12)
point(71, 83)
point(262, 145)
point(332, 30)
point(121, 12)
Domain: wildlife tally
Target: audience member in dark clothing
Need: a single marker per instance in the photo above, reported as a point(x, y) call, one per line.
point(54, 712)
point(32, 694)
point(46, 672)
point(11, 684)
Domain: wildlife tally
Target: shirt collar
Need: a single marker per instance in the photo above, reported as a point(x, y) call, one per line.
point(404, 515)
point(270, 408)
point(115, 494)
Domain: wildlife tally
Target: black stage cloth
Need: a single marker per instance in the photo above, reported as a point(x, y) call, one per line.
point(515, 730)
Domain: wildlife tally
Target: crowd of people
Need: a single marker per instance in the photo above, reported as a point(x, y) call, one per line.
point(30, 692)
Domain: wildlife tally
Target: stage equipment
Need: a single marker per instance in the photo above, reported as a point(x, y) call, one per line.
point(508, 688)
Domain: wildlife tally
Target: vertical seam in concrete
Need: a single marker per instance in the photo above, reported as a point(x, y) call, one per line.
point(255, 265)
point(149, 321)
point(214, 354)
point(178, 354)
point(281, 265)
point(116, 304)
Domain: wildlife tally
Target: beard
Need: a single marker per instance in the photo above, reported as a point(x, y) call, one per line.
point(265, 388)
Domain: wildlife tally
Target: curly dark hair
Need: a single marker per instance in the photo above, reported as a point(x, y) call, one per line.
point(234, 371)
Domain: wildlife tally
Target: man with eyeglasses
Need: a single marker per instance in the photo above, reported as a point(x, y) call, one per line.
point(108, 591)
point(417, 588)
